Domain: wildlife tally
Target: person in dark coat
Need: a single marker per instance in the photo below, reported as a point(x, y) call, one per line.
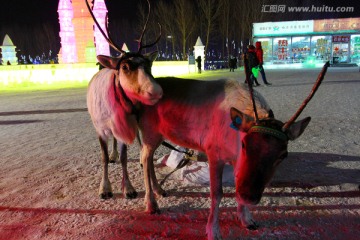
point(231, 64)
point(198, 61)
point(252, 62)
point(260, 57)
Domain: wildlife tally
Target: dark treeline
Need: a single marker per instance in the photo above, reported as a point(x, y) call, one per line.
point(32, 26)
point(222, 24)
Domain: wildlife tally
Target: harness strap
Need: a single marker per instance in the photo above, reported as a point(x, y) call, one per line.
point(273, 132)
point(181, 164)
point(168, 145)
point(189, 155)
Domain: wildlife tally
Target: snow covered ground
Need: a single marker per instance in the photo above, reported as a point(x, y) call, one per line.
point(50, 171)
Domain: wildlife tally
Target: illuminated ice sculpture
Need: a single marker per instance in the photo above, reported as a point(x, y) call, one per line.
point(8, 51)
point(77, 31)
point(67, 34)
point(100, 11)
point(199, 50)
point(84, 31)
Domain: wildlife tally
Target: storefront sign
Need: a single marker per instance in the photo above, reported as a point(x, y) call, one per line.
point(340, 25)
point(340, 39)
point(337, 25)
point(282, 49)
point(283, 28)
point(321, 46)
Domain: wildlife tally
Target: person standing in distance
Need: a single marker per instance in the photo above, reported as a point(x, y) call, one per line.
point(198, 61)
point(260, 56)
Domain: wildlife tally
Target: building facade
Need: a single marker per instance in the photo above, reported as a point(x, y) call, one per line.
point(334, 40)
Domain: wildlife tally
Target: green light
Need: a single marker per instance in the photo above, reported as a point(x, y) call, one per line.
point(45, 76)
point(54, 76)
point(310, 61)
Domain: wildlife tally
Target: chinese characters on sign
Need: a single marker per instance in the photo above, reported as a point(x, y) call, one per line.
point(282, 49)
point(277, 28)
point(335, 25)
point(273, 8)
point(341, 39)
point(321, 46)
point(281, 28)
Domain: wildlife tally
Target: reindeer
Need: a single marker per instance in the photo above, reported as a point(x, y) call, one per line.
point(113, 97)
point(195, 114)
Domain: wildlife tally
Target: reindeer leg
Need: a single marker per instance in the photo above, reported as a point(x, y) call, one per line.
point(244, 215)
point(114, 153)
point(155, 184)
point(105, 191)
point(146, 159)
point(127, 188)
point(216, 169)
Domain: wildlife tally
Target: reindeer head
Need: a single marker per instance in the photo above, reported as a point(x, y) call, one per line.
point(264, 146)
point(133, 76)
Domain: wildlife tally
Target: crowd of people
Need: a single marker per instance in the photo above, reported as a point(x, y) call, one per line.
point(253, 56)
point(255, 59)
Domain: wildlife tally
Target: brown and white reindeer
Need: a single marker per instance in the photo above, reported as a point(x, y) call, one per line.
point(195, 114)
point(113, 96)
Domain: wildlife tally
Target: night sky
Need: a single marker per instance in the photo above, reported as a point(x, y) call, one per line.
point(23, 20)
point(46, 10)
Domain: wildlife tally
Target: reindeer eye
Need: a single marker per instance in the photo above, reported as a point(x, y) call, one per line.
point(125, 67)
point(242, 144)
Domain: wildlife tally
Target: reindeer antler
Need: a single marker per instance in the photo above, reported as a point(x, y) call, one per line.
point(107, 38)
point(143, 32)
point(307, 100)
point(247, 74)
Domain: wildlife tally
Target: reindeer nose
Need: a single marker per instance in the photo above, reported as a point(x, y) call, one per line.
point(156, 93)
point(160, 94)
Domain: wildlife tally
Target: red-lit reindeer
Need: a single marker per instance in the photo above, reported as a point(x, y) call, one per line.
point(195, 114)
point(113, 96)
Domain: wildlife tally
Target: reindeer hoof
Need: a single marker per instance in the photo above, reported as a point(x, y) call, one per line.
point(131, 195)
point(253, 226)
point(153, 209)
point(107, 195)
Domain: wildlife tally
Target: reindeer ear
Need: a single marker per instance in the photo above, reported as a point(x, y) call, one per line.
point(240, 120)
point(297, 128)
point(108, 62)
point(151, 56)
